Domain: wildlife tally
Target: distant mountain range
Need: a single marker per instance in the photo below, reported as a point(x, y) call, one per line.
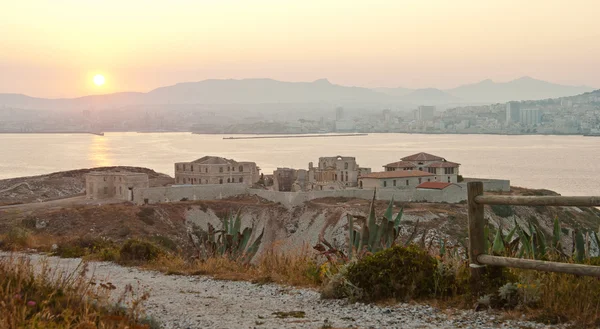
point(525, 88)
point(261, 91)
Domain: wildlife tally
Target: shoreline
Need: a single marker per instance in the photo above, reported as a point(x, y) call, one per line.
point(330, 134)
point(53, 132)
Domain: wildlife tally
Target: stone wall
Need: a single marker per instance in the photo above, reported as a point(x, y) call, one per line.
point(489, 185)
point(292, 199)
point(190, 192)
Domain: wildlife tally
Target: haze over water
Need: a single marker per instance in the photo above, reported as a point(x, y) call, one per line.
point(565, 164)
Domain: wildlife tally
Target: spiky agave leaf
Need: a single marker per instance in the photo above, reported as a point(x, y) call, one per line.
point(597, 241)
point(254, 246)
point(356, 241)
point(378, 244)
point(389, 234)
point(389, 211)
point(442, 248)
point(541, 240)
point(556, 235)
point(534, 241)
point(486, 237)
point(498, 246)
point(350, 234)
point(525, 241)
point(364, 238)
point(579, 247)
point(398, 218)
point(237, 224)
point(226, 224)
point(509, 236)
point(244, 241)
point(372, 222)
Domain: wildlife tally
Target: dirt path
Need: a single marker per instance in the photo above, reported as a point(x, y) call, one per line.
point(201, 302)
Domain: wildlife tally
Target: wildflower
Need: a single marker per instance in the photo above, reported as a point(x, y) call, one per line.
point(17, 296)
point(31, 303)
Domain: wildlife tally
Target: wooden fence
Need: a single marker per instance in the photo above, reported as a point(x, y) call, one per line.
point(477, 252)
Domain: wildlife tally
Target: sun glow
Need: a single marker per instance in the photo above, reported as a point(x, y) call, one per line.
point(99, 79)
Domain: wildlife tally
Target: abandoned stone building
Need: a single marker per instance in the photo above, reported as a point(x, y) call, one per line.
point(114, 185)
point(216, 170)
point(445, 171)
point(336, 172)
point(289, 180)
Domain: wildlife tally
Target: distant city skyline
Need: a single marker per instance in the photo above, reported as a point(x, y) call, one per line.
point(54, 49)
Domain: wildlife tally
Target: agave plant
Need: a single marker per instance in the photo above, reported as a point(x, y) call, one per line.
point(230, 241)
point(373, 236)
point(532, 243)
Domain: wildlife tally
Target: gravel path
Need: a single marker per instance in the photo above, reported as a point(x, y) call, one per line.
point(201, 302)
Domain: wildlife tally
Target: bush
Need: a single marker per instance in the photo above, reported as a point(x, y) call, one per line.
point(16, 238)
point(146, 215)
point(85, 246)
point(165, 242)
point(139, 251)
point(503, 211)
point(398, 272)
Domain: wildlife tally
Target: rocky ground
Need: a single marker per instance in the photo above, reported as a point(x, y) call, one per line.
point(201, 302)
point(289, 229)
point(62, 184)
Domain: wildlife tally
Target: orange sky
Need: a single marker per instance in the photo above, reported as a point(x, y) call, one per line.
point(54, 48)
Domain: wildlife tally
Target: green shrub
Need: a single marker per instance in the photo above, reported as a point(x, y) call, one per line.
point(139, 251)
point(503, 211)
point(107, 255)
point(85, 246)
point(146, 215)
point(29, 222)
point(398, 272)
point(16, 238)
point(165, 242)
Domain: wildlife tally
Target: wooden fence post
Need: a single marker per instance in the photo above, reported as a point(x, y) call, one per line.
point(476, 228)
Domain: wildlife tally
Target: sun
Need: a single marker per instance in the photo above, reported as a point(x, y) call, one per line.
point(99, 79)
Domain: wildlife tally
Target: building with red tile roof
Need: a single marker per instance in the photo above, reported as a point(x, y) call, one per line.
point(446, 171)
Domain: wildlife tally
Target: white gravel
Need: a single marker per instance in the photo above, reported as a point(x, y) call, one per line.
point(201, 302)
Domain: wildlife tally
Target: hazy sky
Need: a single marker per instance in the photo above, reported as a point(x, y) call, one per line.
point(52, 48)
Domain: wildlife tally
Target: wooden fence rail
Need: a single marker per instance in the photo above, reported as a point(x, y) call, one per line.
point(477, 252)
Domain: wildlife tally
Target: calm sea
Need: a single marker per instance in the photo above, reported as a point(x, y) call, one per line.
point(569, 165)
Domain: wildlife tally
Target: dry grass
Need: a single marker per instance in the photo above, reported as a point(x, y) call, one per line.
point(566, 297)
point(297, 269)
point(48, 299)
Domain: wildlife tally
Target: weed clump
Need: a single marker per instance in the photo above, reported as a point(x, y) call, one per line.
point(86, 246)
point(146, 215)
point(398, 272)
point(16, 238)
point(134, 250)
point(47, 298)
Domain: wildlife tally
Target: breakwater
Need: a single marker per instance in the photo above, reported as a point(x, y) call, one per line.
point(296, 136)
